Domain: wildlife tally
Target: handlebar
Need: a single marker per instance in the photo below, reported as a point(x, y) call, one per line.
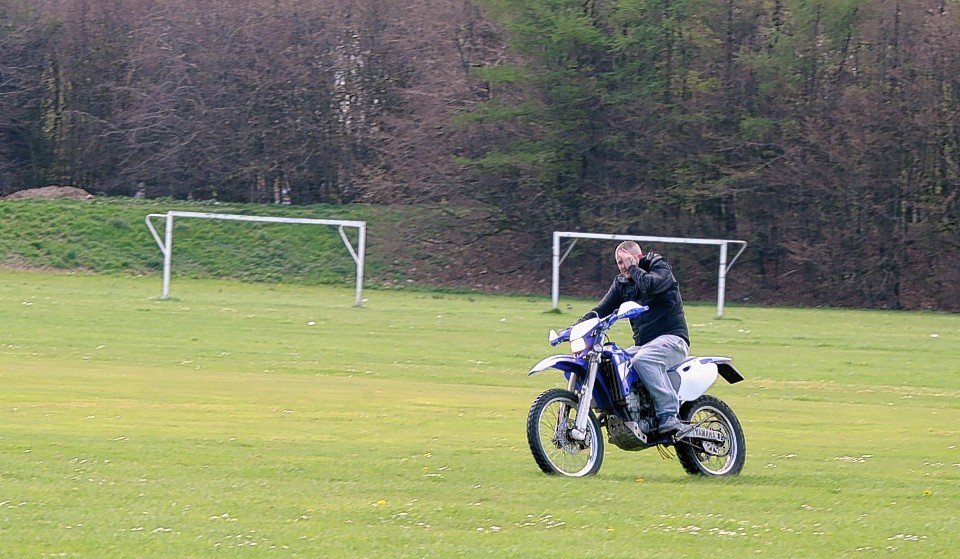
point(628, 309)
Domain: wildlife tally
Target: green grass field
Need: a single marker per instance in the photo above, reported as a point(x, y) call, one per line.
point(223, 424)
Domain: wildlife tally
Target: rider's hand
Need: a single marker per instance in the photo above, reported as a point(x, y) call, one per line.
point(627, 258)
point(591, 314)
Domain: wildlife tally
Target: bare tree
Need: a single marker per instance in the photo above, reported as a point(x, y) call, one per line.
point(24, 40)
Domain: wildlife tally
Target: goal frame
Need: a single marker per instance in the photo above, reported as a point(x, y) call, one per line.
point(722, 243)
point(166, 244)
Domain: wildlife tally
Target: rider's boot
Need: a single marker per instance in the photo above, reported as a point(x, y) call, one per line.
point(668, 424)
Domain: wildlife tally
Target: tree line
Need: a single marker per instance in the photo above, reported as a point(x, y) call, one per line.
point(824, 132)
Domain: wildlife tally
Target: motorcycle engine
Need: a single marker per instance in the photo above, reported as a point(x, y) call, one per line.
point(639, 407)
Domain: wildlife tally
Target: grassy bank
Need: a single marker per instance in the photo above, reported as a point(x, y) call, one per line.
point(407, 247)
point(108, 235)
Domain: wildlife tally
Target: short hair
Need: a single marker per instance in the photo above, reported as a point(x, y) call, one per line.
point(630, 246)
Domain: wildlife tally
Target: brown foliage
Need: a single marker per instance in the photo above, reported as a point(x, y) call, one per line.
point(829, 141)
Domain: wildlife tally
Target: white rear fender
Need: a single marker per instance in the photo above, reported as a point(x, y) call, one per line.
point(695, 378)
point(697, 374)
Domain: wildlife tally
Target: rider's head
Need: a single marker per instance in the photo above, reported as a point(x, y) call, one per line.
point(632, 249)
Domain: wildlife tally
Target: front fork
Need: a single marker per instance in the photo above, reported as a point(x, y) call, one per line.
point(579, 431)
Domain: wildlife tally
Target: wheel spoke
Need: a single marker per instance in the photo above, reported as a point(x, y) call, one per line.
point(568, 454)
point(713, 462)
point(551, 420)
point(710, 457)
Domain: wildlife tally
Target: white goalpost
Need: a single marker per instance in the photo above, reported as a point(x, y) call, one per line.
point(722, 243)
point(166, 244)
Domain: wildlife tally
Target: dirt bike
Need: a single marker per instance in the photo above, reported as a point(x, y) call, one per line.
point(605, 392)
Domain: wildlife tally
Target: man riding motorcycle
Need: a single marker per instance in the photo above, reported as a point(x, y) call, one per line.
point(660, 335)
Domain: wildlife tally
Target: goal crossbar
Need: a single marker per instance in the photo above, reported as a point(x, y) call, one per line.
point(166, 244)
point(722, 243)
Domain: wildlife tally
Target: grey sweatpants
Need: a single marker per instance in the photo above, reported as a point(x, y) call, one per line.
point(651, 362)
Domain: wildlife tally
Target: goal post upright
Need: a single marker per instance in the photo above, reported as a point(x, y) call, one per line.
point(166, 244)
point(722, 243)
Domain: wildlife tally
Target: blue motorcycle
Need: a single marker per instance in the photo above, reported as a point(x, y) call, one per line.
point(603, 391)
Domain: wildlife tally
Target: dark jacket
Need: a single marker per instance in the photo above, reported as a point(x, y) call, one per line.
point(651, 283)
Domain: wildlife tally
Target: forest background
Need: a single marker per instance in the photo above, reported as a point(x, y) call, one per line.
point(825, 133)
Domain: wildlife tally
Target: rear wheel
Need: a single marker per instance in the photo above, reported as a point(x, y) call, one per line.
point(706, 457)
point(552, 416)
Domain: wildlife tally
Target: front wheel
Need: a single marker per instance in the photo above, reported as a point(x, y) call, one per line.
point(552, 416)
point(708, 457)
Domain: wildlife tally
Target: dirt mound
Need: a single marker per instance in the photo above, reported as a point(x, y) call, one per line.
point(50, 192)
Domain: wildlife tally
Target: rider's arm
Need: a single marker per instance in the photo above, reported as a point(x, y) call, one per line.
point(656, 278)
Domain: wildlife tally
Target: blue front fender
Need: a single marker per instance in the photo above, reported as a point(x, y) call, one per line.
point(566, 363)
